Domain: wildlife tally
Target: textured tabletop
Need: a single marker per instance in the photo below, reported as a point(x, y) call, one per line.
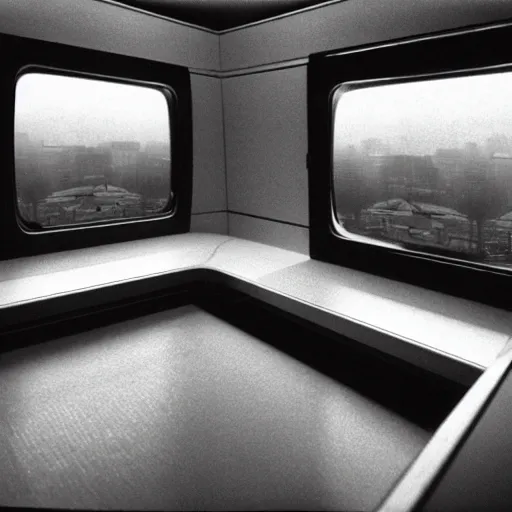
point(180, 410)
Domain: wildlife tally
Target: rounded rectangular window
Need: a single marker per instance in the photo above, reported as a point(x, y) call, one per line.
point(90, 150)
point(426, 165)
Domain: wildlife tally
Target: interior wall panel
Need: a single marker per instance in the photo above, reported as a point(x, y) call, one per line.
point(282, 235)
point(266, 144)
point(350, 23)
point(102, 26)
point(209, 185)
point(215, 222)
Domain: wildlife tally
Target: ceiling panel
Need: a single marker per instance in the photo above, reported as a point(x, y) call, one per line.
point(221, 14)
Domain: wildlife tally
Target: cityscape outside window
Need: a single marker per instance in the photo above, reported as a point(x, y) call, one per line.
point(89, 150)
point(427, 165)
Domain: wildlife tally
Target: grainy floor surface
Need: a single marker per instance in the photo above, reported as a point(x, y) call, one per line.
point(180, 410)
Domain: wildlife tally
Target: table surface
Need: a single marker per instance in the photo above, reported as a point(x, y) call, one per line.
point(180, 410)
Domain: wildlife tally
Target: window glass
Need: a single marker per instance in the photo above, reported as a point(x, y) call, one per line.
point(427, 165)
point(89, 150)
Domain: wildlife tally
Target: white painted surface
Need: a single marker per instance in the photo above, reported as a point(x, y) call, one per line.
point(102, 271)
point(402, 321)
point(209, 189)
point(352, 23)
point(266, 144)
point(179, 246)
point(286, 236)
point(473, 332)
point(108, 27)
point(252, 261)
point(445, 363)
point(216, 222)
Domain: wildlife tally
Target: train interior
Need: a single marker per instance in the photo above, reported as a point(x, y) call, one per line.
point(248, 262)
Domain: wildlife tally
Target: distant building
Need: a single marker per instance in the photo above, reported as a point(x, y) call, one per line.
point(153, 175)
point(374, 147)
point(448, 161)
point(124, 157)
point(409, 174)
point(477, 165)
point(124, 153)
point(22, 145)
point(57, 163)
point(502, 163)
point(93, 167)
point(158, 149)
point(498, 143)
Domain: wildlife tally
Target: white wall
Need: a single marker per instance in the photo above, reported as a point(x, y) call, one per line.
point(216, 222)
point(209, 192)
point(103, 26)
point(265, 119)
point(351, 23)
point(265, 112)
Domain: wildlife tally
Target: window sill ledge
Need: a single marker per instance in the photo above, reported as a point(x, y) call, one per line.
point(453, 337)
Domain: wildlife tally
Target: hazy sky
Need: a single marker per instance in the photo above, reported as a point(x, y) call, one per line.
point(419, 117)
point(68, 110)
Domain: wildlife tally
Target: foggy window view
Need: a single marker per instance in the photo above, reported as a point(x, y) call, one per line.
point(427, 165)
point(89, 150)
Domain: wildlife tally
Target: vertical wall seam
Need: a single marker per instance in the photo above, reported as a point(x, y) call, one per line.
point(224, 141)
point(220, 55)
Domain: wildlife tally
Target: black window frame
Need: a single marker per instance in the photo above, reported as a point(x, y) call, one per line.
point(28, 55)
point(463, 52)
